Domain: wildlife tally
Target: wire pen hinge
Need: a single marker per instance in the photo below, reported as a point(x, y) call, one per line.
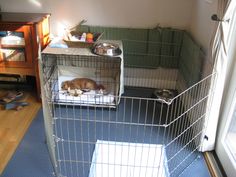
point(54, 119)
point(57, 139)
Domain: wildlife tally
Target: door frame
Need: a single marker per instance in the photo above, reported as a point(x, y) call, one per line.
point(227, 108)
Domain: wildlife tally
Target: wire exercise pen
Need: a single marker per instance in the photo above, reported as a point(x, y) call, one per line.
point(134, 134)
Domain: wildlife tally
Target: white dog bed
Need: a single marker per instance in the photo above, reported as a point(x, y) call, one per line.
point(87, 98)
point(90, 97)
point(116, 159)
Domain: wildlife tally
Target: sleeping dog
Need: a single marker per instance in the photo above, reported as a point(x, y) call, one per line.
point(82, 84)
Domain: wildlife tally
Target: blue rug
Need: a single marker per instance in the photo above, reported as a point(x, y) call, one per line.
point(31, 158)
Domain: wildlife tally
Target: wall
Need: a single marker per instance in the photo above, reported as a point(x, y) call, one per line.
point(201, 26)
point(131, 13)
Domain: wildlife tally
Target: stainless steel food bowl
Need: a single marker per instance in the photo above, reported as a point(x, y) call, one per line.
point(164, 95)
point(106, 49)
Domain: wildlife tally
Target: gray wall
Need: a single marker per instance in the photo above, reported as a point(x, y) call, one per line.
point(128, 13)
point(193, 15)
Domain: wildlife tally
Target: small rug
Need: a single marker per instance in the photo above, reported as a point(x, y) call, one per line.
point(115, 159)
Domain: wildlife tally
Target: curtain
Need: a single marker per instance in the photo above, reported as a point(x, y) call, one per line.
point(218, 50)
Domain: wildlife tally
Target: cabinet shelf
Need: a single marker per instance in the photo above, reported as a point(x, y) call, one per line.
point(11, 46)
point(21, 36)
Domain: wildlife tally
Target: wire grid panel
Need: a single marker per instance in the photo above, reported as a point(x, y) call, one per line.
point(134, 123)
point(140, 127)
point(105, 71)
point(184, 131)
point(151, 78)
point(135, 120)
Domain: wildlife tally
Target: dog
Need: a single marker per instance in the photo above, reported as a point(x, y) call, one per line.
point(84, 84)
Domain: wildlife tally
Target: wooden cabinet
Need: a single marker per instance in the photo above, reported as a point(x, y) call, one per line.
point(22, 36)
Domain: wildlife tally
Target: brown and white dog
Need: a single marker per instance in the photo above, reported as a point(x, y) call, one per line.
point(81, 84)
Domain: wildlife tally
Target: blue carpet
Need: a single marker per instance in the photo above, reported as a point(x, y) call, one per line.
point(197, 168)
point(31, 158)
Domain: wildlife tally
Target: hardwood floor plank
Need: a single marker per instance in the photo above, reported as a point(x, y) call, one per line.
point(13, 126)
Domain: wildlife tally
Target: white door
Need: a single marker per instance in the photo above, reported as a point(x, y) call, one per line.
point(226, 133)
point(226, 142)
point(226, 137)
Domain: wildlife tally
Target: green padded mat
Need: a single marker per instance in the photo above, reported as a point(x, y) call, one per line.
point(171, 45)
point(148, 48)
point(153, 48)
point(190, 63)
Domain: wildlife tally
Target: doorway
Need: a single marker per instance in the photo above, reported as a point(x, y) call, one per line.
point(226, 134)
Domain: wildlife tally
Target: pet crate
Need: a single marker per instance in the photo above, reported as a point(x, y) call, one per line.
point(81, 63)
point(142, 136)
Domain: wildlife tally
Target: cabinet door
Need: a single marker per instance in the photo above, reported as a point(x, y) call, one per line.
point(15, 46)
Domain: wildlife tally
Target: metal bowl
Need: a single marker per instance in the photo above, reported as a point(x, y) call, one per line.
point(164, 95)
point(106, 49)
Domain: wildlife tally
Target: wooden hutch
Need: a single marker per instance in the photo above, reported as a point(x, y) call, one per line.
point(22, 37)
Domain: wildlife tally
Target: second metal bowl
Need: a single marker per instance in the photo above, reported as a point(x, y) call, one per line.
point(106, 49)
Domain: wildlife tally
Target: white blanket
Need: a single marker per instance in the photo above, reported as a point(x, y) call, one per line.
point(116, 159)
point(86, 98)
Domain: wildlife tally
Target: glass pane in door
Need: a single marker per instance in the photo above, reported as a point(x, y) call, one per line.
point(12, 46)
point(12, 38)
point(12, 54)
point(231, 136)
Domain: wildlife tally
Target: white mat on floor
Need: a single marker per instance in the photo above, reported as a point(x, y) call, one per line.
point(116, 159)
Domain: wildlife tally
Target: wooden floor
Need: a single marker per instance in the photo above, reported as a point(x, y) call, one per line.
point(13, 126)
